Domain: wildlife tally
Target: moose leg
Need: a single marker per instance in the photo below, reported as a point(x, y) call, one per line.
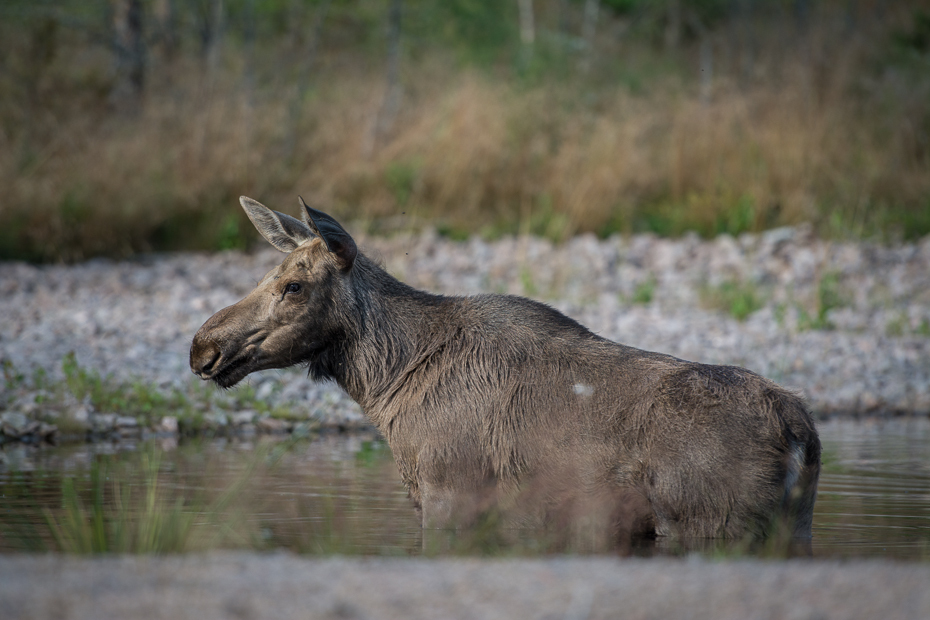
point(436, 506)
point(447, 508)
point(633, 517)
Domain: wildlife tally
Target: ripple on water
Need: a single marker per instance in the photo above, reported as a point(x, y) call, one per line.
point(874, 493)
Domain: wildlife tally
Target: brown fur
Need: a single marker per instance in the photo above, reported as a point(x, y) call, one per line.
point(500, 400)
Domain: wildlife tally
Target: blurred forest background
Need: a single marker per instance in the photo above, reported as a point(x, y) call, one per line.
point(134, 125)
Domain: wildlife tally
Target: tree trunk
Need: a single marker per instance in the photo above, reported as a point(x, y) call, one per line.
point(562, 21)
point(588, 30)
point(248, 49)
point(393, 92)
point(705, 56)
point(303, 78)
point(211, 32)
point(748, 43)
point(527, 30)
point(129, 47)
point(166, 36)
point(673, 26)
point(707, 68)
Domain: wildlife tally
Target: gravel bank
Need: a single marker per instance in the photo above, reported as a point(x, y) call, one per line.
point(282, 586)
point(846, 324)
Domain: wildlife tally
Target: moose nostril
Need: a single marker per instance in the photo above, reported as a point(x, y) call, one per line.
point(209, 365)
point(204, 356)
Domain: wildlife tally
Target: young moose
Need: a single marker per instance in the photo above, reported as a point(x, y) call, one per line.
point(500, 400)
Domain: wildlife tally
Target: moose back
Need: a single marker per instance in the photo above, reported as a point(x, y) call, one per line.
point(498, 401)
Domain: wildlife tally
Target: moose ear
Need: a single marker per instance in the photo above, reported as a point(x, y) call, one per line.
point(337, 239)
point(282, 231)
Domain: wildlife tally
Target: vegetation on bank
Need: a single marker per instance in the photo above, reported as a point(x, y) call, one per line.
point(85, 404)
point(550, 117)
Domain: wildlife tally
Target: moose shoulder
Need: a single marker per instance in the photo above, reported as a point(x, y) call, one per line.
point(499, 399)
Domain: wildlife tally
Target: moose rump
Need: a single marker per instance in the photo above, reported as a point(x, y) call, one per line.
point(495, 400)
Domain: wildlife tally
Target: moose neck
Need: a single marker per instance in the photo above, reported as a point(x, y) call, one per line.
point(391, 328)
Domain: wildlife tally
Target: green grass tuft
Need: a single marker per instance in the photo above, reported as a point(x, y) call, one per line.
point(829, 296)
point(644, 292)
point(104, 516)
point(738, 299)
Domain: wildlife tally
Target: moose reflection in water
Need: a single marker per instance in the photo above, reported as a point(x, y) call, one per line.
point(500, 402)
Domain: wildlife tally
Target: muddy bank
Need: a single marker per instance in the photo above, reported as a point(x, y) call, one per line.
point(845, 324)
point(239, 585)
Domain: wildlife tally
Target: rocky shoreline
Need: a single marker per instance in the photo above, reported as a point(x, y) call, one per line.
point(845, 324)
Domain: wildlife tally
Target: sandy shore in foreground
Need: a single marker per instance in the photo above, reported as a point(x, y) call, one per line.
point(281, 586)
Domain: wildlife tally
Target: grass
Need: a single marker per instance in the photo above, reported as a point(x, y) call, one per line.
point(140, 503)
point(196, 499)
point(146, 501)
point(139, 399)
point(829, 296)
point(924, 328)
point(896, 327)
point(644, 292)
point(738, 299)
point(529, 284)
point(901, 326)
point(134, 398)
point(137, 518)
point(477, 145)
point(12, 378)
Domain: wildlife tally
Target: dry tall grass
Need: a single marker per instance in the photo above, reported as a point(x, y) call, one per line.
point(470, 151)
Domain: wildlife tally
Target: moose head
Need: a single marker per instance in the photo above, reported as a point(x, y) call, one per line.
point(292, 315)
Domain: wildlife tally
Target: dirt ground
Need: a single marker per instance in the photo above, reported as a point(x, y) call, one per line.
point(282, 586)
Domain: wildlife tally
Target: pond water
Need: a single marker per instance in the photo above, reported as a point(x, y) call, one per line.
point(342, 494)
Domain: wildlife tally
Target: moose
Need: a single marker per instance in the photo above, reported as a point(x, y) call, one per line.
point(497, 400)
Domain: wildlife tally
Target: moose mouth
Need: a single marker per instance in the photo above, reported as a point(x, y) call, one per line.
point(232, 372)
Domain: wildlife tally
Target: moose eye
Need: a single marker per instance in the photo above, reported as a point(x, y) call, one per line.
point(293, 287)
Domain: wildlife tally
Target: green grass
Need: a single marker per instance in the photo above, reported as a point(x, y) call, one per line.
point(546, 222)
point(400, 178)
point(139, 399)
point(146, 502)
point(529, 284)
point(455, 233)
point(896, 327)
point(738, 299)
point(829, 296)
point(900, 326)
point(12, 378)
point(135, 398)
point(707, 213)
point(644, 292)
point(117, 516)
point(141, 503)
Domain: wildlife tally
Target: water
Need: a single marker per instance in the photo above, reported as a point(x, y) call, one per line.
point(874, 492)
point(342, 494)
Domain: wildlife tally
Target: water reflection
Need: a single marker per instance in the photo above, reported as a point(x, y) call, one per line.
point(874, 494)
point(342, 494)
